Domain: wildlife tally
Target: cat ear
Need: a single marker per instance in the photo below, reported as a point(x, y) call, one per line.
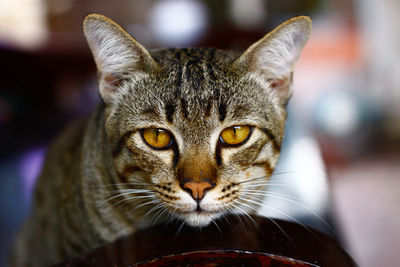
point(117, 54)
point(273, 57)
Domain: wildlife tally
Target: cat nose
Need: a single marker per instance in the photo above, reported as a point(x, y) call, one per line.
point(197, 189)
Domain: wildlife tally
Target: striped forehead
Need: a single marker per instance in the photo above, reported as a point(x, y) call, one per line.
point(197, 82)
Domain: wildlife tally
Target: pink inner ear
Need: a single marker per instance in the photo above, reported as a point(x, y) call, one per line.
point(274, 83)
point(281, 87)
point(113, 80)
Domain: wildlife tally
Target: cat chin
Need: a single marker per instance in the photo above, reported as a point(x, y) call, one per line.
point(199, 219)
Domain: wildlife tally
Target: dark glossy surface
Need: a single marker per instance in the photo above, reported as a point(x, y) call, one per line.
point(225, 258)
point(239, 242)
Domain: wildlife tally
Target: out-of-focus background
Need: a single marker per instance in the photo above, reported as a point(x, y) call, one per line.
point(346, 96)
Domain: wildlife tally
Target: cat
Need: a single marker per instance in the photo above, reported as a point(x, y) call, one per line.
point(180, 134)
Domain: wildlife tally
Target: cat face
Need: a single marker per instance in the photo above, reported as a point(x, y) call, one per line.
point(196, 130)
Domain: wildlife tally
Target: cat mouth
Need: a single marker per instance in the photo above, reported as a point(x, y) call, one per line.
point(199, 211)
point(198, 208)
point(199, 218)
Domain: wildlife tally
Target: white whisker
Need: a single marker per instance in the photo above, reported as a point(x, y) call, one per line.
point(158, 206)
point(178, 231)
point(216, 225)
point(234, 212)
point(267, 184)
point(145, 203)
point(161, 211)
point(128, 184)
point(244, 212)
point(171, 217)
point(280, 228)
point(113, 197)
point(135, 191)
point(252, 179)
point(224, 216)
point(131, 198)
point(300, 172)
point(283, 197)
point(281, 212)
point(272, 220)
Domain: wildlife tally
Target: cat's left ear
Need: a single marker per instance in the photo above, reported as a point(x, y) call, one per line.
point(116, 53)
point(273, 57)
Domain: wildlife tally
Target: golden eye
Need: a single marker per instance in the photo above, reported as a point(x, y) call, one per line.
point(157, 138)
point(235, 135)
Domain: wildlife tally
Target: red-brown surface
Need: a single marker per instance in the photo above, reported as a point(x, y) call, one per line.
point(225, 258)
point(237, 243)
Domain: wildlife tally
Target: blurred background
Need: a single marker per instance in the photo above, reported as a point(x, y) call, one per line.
point(344, 116)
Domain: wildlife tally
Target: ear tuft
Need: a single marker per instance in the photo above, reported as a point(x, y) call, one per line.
point(274, 56)
point(117, 54)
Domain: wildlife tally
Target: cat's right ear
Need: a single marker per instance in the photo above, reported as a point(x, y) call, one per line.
point(116, 53)
point(273, 57)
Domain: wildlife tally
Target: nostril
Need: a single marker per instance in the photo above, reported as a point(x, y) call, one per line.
point(197, 189)
point(185, 187)
point(213, 184)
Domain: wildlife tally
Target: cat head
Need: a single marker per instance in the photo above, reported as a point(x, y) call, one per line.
point(200, 128)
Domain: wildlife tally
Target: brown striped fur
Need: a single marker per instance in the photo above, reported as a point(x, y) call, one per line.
point(101, 181)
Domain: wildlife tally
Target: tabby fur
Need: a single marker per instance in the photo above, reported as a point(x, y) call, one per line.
point(101, 181)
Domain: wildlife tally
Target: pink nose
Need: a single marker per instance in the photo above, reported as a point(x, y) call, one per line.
point(197, 189)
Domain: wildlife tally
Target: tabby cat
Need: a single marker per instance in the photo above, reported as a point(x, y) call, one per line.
point(181, 134)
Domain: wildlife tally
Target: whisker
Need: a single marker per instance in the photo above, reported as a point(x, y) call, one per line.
point(158, 206)
point(283, 173)
point(128, 184)
point(144, 204)
point(300, 172)
point(271, 219)
point(244, 212)
point(268, 184)
point(161, 211)
point(223, 215)
point(113, 197)
point(283, 213)
point(252, 179)
point(280, 228)
point(131, 198)
point(135, 191)
point(283, 197)
point(178, 231)
point(216, 225)
point(234, 212)
point(171, 217)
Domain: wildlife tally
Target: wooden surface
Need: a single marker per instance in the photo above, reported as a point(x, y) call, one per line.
point(237, 243)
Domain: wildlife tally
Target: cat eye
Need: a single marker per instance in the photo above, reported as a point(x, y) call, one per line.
point(235, 135)
point(157, 138)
